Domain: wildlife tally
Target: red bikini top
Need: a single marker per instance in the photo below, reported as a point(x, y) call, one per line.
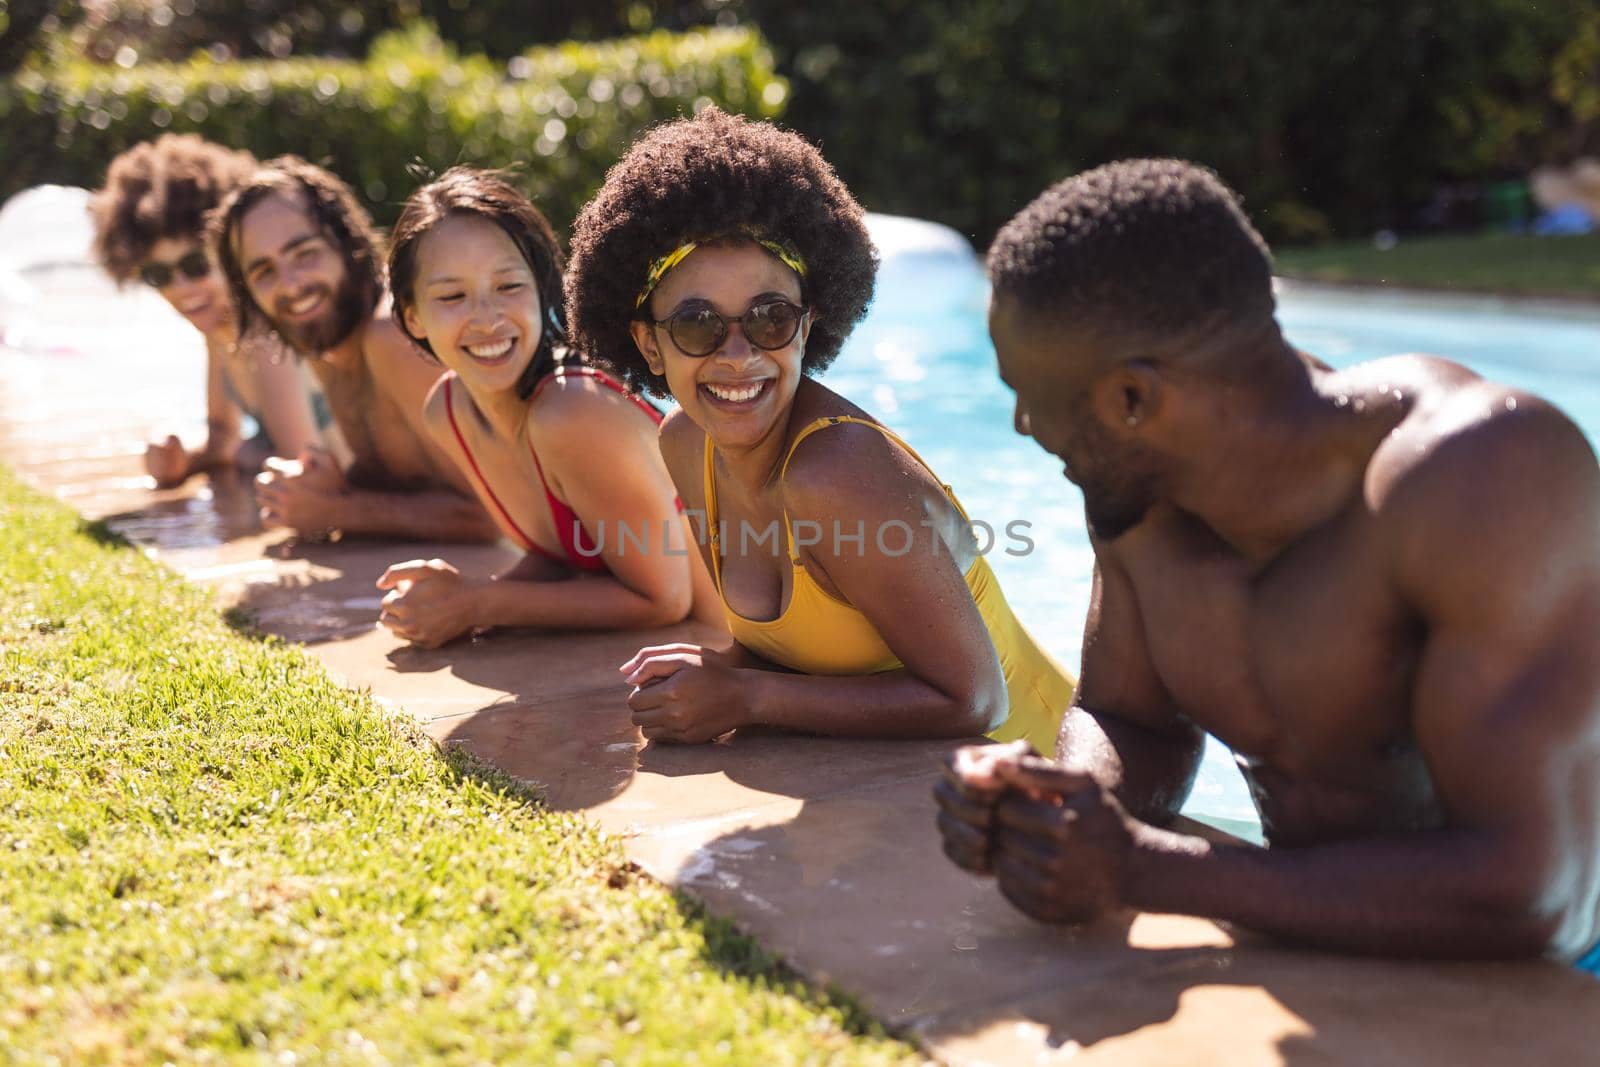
point(578, 549)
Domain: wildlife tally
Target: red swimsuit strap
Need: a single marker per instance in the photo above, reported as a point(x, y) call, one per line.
point(581, 550)
point(604, 379)
point(450, 411)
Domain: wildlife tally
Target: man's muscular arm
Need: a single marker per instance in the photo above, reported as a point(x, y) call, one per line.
point(1122, 732)
point(1123, 728)
point(1494, 543)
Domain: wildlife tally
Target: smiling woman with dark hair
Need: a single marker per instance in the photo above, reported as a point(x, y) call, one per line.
point(725, 263)
point(149, 226)
point(558, 452)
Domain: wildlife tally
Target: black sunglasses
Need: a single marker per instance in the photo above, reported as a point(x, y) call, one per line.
point(699, 331)
point(192, 265)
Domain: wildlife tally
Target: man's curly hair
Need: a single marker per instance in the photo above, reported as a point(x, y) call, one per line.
point(334, 208)
point(707, 177)
point(1147, 247)
point(161, 189)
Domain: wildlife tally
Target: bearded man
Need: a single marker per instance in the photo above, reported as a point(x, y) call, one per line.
point(302, 259)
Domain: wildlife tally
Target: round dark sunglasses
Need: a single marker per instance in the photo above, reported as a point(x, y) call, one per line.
point(192, 265)
point(699, 331)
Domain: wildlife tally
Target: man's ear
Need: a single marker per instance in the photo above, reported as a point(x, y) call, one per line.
point(644, 339)
point(1129, 395)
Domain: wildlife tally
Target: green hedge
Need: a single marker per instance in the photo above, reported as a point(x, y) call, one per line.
point(1329, 115)
point(276, 29)
point(563, 113)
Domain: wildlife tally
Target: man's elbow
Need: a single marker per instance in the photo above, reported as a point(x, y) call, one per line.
point(1564, 931)
point(1528, 931)
point(1536, 916)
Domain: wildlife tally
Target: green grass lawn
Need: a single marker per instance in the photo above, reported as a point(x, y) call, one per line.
point(209, 852)
point(1566, 267)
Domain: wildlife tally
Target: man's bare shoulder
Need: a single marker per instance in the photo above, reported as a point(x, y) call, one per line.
point(384, 343)
point(1465, 434)
point(262, 347)
point(396, 363)
point(1477, 469)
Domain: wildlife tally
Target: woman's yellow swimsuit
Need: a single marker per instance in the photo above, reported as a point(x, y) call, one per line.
point(821, 634)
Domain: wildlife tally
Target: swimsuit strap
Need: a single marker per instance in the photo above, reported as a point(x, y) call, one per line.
point(450, 412)
point(834, 420)
point(568, 526)
point(710, 477)
point(713, 527)
point(564, 370)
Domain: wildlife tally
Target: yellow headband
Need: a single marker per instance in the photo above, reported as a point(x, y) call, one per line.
point(658, 268)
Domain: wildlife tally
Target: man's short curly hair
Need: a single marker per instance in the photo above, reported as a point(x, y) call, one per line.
point(696, 179)
point(161, 189)
point(1148, 247)
point(334, 208)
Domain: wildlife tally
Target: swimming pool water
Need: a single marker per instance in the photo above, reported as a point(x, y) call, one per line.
point(1591, 962)
point(923, 363)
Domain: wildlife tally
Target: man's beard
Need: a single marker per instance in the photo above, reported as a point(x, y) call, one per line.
point(1111, 514)
point(331, 328)
point(1125, 488)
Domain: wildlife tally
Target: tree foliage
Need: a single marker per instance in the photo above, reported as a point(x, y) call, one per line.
point(413, 106)
point(1330, 115)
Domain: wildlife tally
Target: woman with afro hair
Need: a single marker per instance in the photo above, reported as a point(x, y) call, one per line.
point(724, 263)
point(149, 225)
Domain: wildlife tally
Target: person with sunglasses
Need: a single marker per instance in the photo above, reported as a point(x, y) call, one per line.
point(561, 455)
point(149, 225)
point(725, 263)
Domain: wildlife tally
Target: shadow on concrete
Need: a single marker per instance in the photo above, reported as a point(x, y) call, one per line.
point(564, 719)
point(1211, 1005)
point(850, 886)
point(725, 945)
point(581, 752)
point(102, 534)
point(319, 591)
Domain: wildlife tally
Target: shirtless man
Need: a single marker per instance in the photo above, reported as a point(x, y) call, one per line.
point(299, 252)
point(1380, 587)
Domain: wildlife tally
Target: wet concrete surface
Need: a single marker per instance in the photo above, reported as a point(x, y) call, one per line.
point(825, 850)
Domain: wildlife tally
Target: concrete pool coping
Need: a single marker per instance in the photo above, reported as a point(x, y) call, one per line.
point(1372, 293)
point(823, 850)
